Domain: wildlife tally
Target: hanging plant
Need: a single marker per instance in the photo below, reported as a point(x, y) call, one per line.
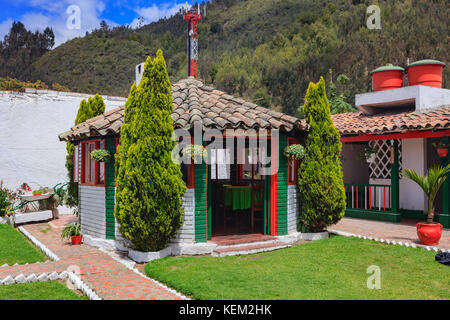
point(100, 155)
point(294, 151)
point(193, 151)
point(369, 154)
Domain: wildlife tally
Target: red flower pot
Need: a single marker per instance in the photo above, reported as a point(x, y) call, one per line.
point(429, 233)
point(426, 73)
point(77, 239)
point(387, 78)
point(442, 152)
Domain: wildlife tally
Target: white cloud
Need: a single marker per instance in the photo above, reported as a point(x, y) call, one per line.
point(5, 26)
point(154, 12)
point(53, 14)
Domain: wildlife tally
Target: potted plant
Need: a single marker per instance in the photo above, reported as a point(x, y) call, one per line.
point(426, 72)
point(429, 232)
point(387, 77)
point(100, 155)
point(294, 152)
point(369, 154)
point(441, 149)
point(73, 231)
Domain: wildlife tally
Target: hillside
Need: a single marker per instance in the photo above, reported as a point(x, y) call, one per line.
point(263, 50)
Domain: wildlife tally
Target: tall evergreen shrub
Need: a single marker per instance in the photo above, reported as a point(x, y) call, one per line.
point(320, 180)
point(149, 185)
point(87, 110)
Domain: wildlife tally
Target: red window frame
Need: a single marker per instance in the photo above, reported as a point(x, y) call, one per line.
point(86, 168)
point(115, 152)
point(190, 183)
point(292, 164)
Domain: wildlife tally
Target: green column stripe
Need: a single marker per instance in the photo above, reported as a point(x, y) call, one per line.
point(282, 187)
point(110, 190)
point(200, 202)
point(395, 180)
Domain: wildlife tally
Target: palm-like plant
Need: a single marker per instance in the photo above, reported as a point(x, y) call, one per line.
point(430, 184)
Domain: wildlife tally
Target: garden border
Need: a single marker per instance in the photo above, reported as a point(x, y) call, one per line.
point(386, 241)
point(76, 280)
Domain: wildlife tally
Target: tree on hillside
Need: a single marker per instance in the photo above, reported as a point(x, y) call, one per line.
point(320, 180)
point(87, 110)
point(20, 48)
point(149, 184)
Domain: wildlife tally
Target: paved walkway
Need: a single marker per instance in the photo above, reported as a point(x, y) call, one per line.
point(108, 278)
point(404, 231)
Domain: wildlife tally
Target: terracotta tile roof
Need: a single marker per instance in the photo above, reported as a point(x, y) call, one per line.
point(193, 101)
point(358, 123)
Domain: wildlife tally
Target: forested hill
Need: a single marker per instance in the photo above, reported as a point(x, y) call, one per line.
point(264, 50)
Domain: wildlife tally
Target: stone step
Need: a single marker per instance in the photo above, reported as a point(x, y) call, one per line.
point(236, 240)
point(224, 251)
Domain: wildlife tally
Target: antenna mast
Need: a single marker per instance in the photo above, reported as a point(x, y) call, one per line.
point(192, 18)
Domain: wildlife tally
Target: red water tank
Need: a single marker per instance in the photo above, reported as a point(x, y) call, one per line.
point(426, 72)
point(387, 77)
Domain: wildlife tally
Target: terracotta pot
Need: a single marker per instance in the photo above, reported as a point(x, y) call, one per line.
point(387, 78)
point(77, 239)
point(442, 152)
point(429, 233)
point(426, 73)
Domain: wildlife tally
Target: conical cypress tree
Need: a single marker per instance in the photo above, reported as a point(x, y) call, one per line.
point(97, 105)
point(87, 110)
point(320, 180)
point(149, 184)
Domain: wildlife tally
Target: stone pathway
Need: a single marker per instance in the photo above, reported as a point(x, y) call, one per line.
point(404, 231)
point(110, 279)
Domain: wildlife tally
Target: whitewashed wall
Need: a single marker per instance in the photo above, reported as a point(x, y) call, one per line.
point(292, 208)
point(30, 150)
point(186, 234)
point(414, 153)
point(92, 211)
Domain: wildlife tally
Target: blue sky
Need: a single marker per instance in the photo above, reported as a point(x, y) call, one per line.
point(37, 14)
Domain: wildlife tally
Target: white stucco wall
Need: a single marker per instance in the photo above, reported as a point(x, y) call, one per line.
point(186, 234)
point(414, 157)
point(30, 150)
point(293, 208)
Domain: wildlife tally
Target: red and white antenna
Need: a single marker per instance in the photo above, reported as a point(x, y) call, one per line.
point(192, 18)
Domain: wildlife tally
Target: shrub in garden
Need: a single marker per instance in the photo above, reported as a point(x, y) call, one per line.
point(87, 110)
point(149, 185)
point(320, 182)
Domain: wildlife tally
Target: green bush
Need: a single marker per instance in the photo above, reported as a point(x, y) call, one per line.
point(149, 184)
point(320, 182)
point(87, 110)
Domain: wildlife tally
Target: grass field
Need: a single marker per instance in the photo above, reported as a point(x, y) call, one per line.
point(51, 290)
point(334, 268)
point(15, 248)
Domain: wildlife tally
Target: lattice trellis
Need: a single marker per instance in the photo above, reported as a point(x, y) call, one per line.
point(381, 168)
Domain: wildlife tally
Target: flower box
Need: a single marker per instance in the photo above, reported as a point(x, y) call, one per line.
point(141, 257)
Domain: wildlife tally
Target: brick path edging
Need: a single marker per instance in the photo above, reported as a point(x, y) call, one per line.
point(387, 241)
point(76, 280)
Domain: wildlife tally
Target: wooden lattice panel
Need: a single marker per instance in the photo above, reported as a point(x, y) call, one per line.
point(381, 168)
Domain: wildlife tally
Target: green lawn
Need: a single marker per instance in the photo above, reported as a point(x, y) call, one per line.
point(332, 268)
point(15, 248)
point(38, 291)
